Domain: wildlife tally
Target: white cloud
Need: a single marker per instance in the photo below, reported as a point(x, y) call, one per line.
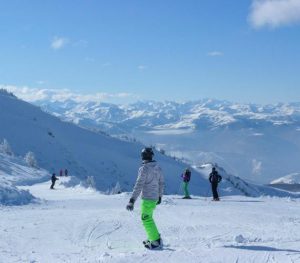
point(59, 42)
point(215, 54)
point(26, 93)
point(61, 95)
point(274, 13)
point(256, 167)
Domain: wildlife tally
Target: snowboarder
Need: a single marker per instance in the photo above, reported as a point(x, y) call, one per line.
point(53, 180)
point(150, 183)
point(61, 173)
point(186, 176)
point(215, 179)
point(66, 172)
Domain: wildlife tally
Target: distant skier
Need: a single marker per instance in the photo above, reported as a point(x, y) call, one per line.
point(61, 172)
point(215, 179)
point(186, 176)
point(66, 172)
point(150, 183)
point(53, 180)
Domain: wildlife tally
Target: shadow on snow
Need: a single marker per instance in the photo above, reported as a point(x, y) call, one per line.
point(263, 248)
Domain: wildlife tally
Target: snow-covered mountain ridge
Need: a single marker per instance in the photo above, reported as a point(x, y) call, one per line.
point(99, 159)
point(255, 142)
point(201, 114)
point(95, 158)
point(293, 178)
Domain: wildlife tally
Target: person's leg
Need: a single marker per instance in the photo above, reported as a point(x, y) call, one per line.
point(214, 190)
point(217, 195)
point(185, 188)
point(147, 208)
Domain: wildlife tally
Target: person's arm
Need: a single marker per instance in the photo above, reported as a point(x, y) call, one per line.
point(140, 181)
point(161, 185)
point(220, 178)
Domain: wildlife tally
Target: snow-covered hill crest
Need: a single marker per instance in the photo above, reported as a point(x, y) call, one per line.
point(93, 158)
point(293, 178)
point(256, 142)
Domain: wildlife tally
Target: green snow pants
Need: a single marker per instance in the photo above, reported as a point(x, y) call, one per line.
point(147, 208)
point(185, 189)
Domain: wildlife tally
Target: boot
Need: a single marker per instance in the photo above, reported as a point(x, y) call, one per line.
point(153, 244)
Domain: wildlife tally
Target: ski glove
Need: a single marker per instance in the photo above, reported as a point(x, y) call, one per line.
point(159, 200)
point(130, 205)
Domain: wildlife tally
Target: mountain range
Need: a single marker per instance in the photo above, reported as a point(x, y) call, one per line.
point(256, 142)
point(93, 159)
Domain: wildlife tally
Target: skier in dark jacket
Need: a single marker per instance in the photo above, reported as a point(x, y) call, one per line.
point(215, 179)
point(53, 180)
point(186, 176)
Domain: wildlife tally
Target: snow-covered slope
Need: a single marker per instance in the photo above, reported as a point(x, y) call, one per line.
point(293, 178)
point(11, 195)
point(256, 142)
point(99, 159)
point(93, 158)
point(14, 171)
point(231, 185)
point(81, 225)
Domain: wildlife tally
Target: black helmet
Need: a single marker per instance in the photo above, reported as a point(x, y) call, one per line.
point(147, 154)
point(214, 168)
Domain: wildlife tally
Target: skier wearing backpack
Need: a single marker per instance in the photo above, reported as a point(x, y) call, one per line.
point(150, 184)
point(186, 176)
point(215, 179)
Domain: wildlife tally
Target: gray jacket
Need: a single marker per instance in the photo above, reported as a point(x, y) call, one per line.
point(150, 182)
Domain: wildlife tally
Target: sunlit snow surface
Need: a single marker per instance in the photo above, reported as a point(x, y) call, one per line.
point(81, 225)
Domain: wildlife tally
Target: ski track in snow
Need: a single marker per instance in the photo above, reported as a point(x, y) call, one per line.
point(81, 225)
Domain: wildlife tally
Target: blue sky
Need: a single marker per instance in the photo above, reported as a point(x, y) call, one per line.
point(244, 51)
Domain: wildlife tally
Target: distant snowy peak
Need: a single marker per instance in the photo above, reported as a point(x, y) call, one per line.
point(293, 178)
point(202, 114)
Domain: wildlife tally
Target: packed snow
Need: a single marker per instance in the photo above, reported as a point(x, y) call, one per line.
point(81, 225)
